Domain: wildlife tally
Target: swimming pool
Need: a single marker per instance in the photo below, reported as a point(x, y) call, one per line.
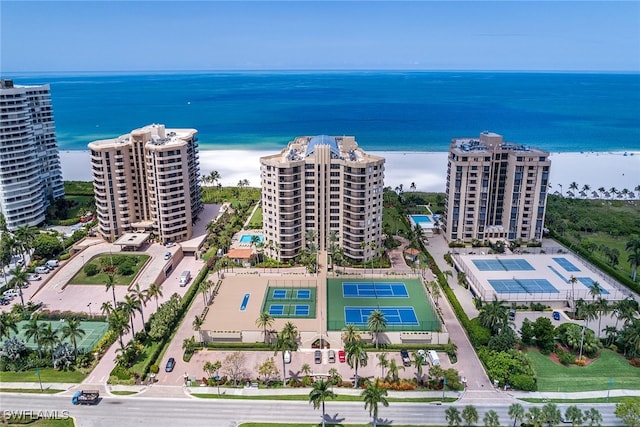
point(420, 218)
point(246, 238)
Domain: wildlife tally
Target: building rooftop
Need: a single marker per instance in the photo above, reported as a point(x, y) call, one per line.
point(342, 147)
point(159, 136)
point(489, 142)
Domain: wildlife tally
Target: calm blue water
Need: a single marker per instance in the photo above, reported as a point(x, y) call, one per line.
point(420, 218)
point(402, 111)
point(246, 238)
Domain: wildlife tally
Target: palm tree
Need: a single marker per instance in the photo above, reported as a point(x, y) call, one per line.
point(573, 280)
point(197, 326)
point(350, 333)
point(516, 413)
point(49, 337)
point(595, 290)
point(417, 363)
point(634, 259)
point(373, 395)
point(141, 296)
point(356, 356)
point(394, 370)
point(155, 292)
point(110, 283)
point(290, 331)
point(534, 416)
point(130, 305)
point(214, 176)
point(452, 415)
point(551, 414)
point(470, 414)
point(377, 323)
point(574, 415)
point(283, 344)
point(319, 394)
point(24, 237)
point(106, 308)
point(73, 331)
point(264, 321)
point(19, 280)
point(602, 306)
point(119, 323)
point(494, 315)
point(8, 324)
point(383, 362)
point(33, 331)
point(491, 419)
point(593, 417)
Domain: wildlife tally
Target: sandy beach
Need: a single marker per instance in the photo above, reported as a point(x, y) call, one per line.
point(427, 170)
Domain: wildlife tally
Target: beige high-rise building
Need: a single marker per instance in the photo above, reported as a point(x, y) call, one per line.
point(147, 181)
point(30, 172)
point(495, 190)
point(326, 184)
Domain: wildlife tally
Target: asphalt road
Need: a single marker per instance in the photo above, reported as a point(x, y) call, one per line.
point(194, 412)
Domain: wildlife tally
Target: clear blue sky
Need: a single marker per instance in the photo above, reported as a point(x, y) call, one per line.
point(265, 35)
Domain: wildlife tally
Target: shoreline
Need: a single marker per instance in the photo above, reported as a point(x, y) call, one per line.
point(427, 170)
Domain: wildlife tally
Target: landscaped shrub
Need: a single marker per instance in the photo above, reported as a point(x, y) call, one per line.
point(565, 357)
point(91, 269)
point(125, 269)
point(523, 382)
point(121, 373)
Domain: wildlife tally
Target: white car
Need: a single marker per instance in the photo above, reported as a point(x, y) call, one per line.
point(32, 277)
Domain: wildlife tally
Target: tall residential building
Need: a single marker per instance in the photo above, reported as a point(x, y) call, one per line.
point(30, 171)
point(147, 181)
point(495, 190)
point(325, 184)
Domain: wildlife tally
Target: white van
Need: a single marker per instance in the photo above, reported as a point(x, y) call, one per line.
point(52, 263)
point(433, 358)
point(184, 278)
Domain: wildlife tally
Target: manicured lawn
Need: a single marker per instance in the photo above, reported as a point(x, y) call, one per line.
point(311, 425)
point(305, 397)
point(615, 399)
point(256, 220)
point(42, 422)
point(82, 206)
point(47, 375)
point(31, 390)
point(142, 360)
point(595, 376)
point(123, 393)
point(78, 188)
point(100, 279)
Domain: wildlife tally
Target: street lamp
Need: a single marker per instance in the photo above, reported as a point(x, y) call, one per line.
point(90, 313)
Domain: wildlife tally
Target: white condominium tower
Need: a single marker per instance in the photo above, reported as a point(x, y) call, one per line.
point(326, 184)
point(147, 181)
point(495, 190)
point(30, 172)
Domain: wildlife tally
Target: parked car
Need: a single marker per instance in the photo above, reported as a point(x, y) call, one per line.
point(32, 277)
point(556, 315)
point(332, 356)
point(167, 255)
point(406, 360)
point(52, 263)
point(42, 270)
point(4, 301)
point(317, 357)
point(170, 244)
point(341, 357)
point(171, 363)
point(287, 356)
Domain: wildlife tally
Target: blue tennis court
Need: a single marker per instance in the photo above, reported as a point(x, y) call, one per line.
point(303, 293)
point(279, 294)
point(276, 309)
point(374, 290)
point(564, 279)
point(588, 282)
point(395, 316)
point(502, 265)
point(530, 286)
point(566, 264)
point(289, 309)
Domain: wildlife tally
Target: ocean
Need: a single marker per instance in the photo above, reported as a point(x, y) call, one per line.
point(385, 111)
